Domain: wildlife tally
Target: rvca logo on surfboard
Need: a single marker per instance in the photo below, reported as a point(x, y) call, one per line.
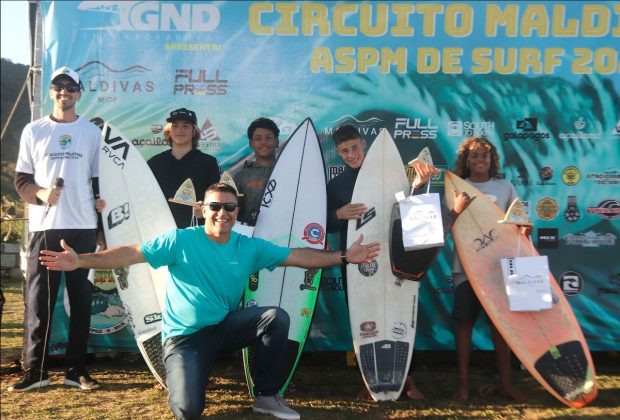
point(118, 215)
point(366, 217)
point(115, 143)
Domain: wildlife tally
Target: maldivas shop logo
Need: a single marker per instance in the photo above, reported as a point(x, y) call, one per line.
point(97, 76)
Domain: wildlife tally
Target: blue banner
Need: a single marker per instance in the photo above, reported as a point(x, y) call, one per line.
point(539, 79)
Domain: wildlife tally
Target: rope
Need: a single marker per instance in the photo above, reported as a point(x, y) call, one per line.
point(21, 92)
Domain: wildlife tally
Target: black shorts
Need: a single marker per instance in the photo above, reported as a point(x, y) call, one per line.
point(466, 305)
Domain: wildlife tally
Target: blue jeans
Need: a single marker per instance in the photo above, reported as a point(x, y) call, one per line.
point(189, 358)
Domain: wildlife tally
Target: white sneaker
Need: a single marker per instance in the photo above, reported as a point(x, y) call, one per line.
point(276, 406)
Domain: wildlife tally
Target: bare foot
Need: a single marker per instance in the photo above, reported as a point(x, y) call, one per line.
point(513, 393)
point(364, 395)
point(412, 392)
point(461, 394)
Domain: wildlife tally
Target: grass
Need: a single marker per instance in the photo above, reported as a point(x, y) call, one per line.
point(324, 388)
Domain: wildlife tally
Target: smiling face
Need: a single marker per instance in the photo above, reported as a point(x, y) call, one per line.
point(219, 224)
point(479, 161)
point(352, 152)
point(63, 99)
point(264, 143)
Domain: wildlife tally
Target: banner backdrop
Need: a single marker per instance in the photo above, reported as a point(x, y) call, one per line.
point(540, 79)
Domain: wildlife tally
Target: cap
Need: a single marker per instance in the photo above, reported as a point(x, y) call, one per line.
point(66, 71)
point(183, 114)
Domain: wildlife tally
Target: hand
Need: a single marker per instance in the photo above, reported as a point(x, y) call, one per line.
point(67, 260)
point(198, 209)
point(359, 253)
point(48, 195)
point(423, 173)
point(351, 211)
point(461, 201)
point(99, 204)
point(101, 243)
point(526, 230)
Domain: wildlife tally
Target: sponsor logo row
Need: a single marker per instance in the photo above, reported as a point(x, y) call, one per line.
point(424, 128)
point(570, 175)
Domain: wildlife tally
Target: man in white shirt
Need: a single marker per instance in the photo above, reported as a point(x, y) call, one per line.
point(56, 174)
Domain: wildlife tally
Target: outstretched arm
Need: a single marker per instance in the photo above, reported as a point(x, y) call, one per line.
point(69, 260)
point(317, 258)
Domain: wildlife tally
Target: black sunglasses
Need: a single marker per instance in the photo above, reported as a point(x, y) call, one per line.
point(68, 88)
point(215, 206)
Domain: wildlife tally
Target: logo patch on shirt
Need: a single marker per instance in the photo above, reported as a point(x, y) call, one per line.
point(64, 141)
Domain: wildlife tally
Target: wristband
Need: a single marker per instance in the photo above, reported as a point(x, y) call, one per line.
point(343, 257)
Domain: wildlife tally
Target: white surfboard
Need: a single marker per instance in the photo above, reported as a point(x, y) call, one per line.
point(136, 211)
point(382, 307)
point(293, 213)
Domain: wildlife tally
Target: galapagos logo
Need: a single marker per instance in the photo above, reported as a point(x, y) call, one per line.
point(150, 16)
point(529, 131)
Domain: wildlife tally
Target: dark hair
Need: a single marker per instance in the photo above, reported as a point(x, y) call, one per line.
point(265, 123)
point(345, 133)
point(221, 187)
point(461, 168)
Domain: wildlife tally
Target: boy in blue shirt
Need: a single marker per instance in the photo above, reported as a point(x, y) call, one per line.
point(209, 267)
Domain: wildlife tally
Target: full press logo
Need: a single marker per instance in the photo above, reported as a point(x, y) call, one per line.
point(199, 82)
point(414, 129)
point(528, 131)
point(152, 16)
point(470, 128)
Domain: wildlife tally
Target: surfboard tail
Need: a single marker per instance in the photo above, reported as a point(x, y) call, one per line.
point(152, 351)
point(566, 370)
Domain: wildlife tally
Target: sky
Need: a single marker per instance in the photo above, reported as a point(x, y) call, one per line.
point(15, 37)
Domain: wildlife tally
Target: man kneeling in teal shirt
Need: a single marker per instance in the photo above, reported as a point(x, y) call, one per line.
point(209, 268)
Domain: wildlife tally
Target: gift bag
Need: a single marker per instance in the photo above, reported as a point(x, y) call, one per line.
point(421, 220)
point(527, 283)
